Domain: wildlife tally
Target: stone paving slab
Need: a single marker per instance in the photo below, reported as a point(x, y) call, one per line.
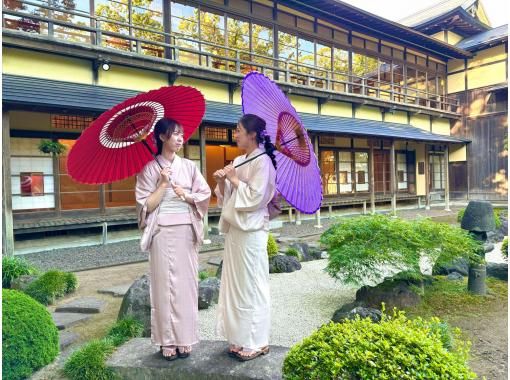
point(67, 338)
point(215, 261)
point(116, 291)
point(86, 305)
point(139, 359)
point(65, 320)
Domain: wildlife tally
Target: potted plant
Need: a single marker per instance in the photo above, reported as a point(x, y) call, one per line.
point(52, 147)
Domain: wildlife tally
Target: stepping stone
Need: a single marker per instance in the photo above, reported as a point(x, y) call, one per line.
point(67, 338)
point(64, 320)
point(139, 359)
point(116, 291)
point(86, 305)
point(215, 261)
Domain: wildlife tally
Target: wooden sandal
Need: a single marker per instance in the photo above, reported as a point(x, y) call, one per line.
point(183, 354)
point(253, 355)
point(168, 357)
point(232, 352)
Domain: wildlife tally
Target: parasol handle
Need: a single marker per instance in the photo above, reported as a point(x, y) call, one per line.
point(261, 154)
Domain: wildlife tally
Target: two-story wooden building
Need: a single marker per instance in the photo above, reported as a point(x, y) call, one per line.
point(381, 100)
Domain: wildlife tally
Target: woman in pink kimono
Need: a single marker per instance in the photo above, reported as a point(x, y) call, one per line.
point(244, 195)
point(171, 203)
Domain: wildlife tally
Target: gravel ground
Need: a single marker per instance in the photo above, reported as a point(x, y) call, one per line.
point(300, 303)
point(97, 256)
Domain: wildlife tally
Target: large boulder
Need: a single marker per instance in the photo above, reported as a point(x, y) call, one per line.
point(283, 264)
point(394, 293)
point(351, 310)
point(208, 292)
point(137, 303)
point(498, 270)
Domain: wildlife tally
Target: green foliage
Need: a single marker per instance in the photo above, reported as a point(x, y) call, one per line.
point(497, 213)
point(504, 247)
point(202, 275)
point(395, 348)
point(124, 330)
point(14, 267)
point(358, 247)
point(89, 362)
point(29, 336)
point(272, 246)
point(51, 285)
point(292, 252)
point(52, 147)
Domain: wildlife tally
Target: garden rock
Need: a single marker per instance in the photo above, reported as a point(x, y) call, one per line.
point(137, 303)
point(498, 270)
point(460, 265)
point(283, 264)
point(306, 252)
point(495, 236)
point(399, 294)
point(488, 247)
point(208, 292)
point(23, 282)
point(478, 217)
point(350, 311)
point(455, 276)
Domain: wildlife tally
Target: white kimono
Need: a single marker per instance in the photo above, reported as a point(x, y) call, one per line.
point(244, 303)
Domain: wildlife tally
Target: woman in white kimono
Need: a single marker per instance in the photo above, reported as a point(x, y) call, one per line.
point(171, 203)
point(244, 195)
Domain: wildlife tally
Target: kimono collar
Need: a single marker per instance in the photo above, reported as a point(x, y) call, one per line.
point(254, 153)
point(175, 165)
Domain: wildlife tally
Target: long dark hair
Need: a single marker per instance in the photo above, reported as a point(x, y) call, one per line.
point(254, 123)
point(165, 127)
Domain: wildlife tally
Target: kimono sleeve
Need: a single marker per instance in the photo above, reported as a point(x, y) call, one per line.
point(146, 184)
point(251, 194)
point(200, 192)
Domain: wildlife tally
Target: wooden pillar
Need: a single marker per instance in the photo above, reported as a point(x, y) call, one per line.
point(203, 168)
point(372, 176)
point(427, 179)
point(56, 183)
point(298, 218)
point(7, 222)
point(318, 213)
point(446, 179)
point(393, 184)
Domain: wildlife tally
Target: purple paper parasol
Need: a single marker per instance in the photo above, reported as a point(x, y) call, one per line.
point(298, 176)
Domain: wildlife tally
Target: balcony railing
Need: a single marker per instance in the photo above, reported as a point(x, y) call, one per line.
point(180, 49)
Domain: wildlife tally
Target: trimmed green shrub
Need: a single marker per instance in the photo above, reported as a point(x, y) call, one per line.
point(51, 285)
point(293, 252)
point(497, 212)
point(14, 267)
point(395, 348)
point(272, 246)
point(358, 247)
point(504, 247)
point(89, 362)
point(202, 275)
point(29, 336)
point(124, 330)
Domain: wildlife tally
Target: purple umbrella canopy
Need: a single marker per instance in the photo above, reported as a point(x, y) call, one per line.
point(298, 176)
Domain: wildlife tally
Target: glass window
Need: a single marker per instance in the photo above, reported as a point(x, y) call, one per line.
point(184, 23)
point(115, 11)
point(149, 15)
point(328, 170)
point(287, 44)
point(341, 69)
point(436, 172)
point(344, 171)
point(306, 54)
point(238, 37)
point(323, 56)
point(212, 30)
point(402, 171)
point(361, 163)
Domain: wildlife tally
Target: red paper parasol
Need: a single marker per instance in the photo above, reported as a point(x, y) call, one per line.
point(119, 143)
point(298, 177)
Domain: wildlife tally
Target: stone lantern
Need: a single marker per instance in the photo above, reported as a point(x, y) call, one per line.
point(478, 219)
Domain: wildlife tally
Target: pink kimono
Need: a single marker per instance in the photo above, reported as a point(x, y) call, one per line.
point(173, 241)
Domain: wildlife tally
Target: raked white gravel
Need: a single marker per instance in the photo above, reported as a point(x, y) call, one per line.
point(300, 303)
